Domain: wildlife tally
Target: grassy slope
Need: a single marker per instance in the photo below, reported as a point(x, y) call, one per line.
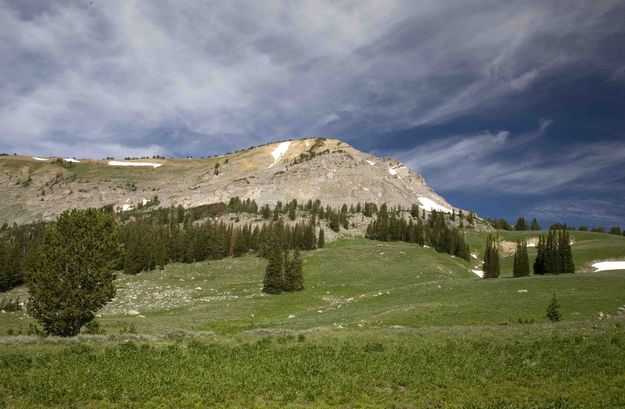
point(453, 349)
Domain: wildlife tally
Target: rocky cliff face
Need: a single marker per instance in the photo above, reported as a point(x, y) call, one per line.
point(316, 168)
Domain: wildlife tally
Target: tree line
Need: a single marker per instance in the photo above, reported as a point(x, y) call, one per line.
point(435, 231)
point(554, 255)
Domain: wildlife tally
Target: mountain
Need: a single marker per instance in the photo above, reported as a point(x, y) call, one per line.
point(330, 170)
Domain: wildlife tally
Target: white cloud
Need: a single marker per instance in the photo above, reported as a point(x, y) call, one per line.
point(493, 162)
point(231, 74)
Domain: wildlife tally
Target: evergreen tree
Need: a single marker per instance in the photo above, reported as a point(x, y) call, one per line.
point(534, 225)
point(274, 273)
point(73, 277)
point(521, 224)
point(566, 255)
point(521, 266)
point(288, 280)
point(322, 240)
point(414, 211)
point(554, 255)
point(553, 309)
point(491, 258)
point(539, 262)
point(296, 273)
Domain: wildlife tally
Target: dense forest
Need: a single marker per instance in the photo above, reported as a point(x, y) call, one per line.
point(154, 236)
point(435, 231)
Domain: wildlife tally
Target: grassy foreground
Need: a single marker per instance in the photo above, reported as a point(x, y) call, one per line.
point(379, 325)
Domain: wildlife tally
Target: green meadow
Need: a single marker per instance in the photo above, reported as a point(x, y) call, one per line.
point(378, 325)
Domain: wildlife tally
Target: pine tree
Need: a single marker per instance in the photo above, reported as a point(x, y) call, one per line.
point(273, 282)
point(297, 275)
point(566, 255)
point(491, 258)
point(521, 224)
point(292, 213)
point(288, 281)
point(553, 309)
point(521, 265)
point(321, 242)
point(539, 262)
point(73, 277)
point(534, 225)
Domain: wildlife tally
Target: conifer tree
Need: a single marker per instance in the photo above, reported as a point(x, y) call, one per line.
point(491, 258)
point(288, 279)
point(521, 224)
point(414, 211)
point(321, 242)
point(273, 282)
point(73, 277)
point(553, 309)
point(566, 255)
point(521, 265)
point(297, 274)
point(534, 225)
point(539, 262)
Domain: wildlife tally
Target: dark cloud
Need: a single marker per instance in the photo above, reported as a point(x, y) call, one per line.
point(236, 73)
point(116, 77)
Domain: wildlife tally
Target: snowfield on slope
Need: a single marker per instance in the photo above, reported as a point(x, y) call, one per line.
point(478, 273)
point(38, 158)
point(429, 205)
point(119, 163)
point(279, 152)
point(609, 265)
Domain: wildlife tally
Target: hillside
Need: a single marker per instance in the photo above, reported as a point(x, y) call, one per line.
point(378, 325)
point(306, 169)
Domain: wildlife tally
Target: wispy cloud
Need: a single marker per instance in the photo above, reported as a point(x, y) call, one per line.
point(596, 210)
point(501, 162)
point(89, 75)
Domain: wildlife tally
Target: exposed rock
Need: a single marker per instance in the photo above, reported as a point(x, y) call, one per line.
point(307, 169)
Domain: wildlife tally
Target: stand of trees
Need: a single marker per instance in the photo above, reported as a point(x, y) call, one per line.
point(554, 255)
point(435, 232)
point(18, 248)
point(490, 265)
point(521, 265)
point(520, 225)
point(283, 273)
point(149, 246)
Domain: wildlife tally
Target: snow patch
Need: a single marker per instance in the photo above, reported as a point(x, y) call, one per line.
point(120, 163)
point(38, 158)
point(392, 171)
point(478, 273)
point(429, 205)
point(279, 152)
point(609, 265)
point(127, 206)
point(370, 162)
point(71, 160)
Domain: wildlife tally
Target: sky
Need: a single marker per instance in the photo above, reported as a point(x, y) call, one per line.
point(507, 108)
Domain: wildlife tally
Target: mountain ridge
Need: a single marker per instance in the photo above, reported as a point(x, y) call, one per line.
point(37, 188)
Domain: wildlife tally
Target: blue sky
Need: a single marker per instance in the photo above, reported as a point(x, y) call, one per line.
point(507, 108)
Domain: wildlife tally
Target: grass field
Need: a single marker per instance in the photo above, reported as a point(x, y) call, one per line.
point(378, 325)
